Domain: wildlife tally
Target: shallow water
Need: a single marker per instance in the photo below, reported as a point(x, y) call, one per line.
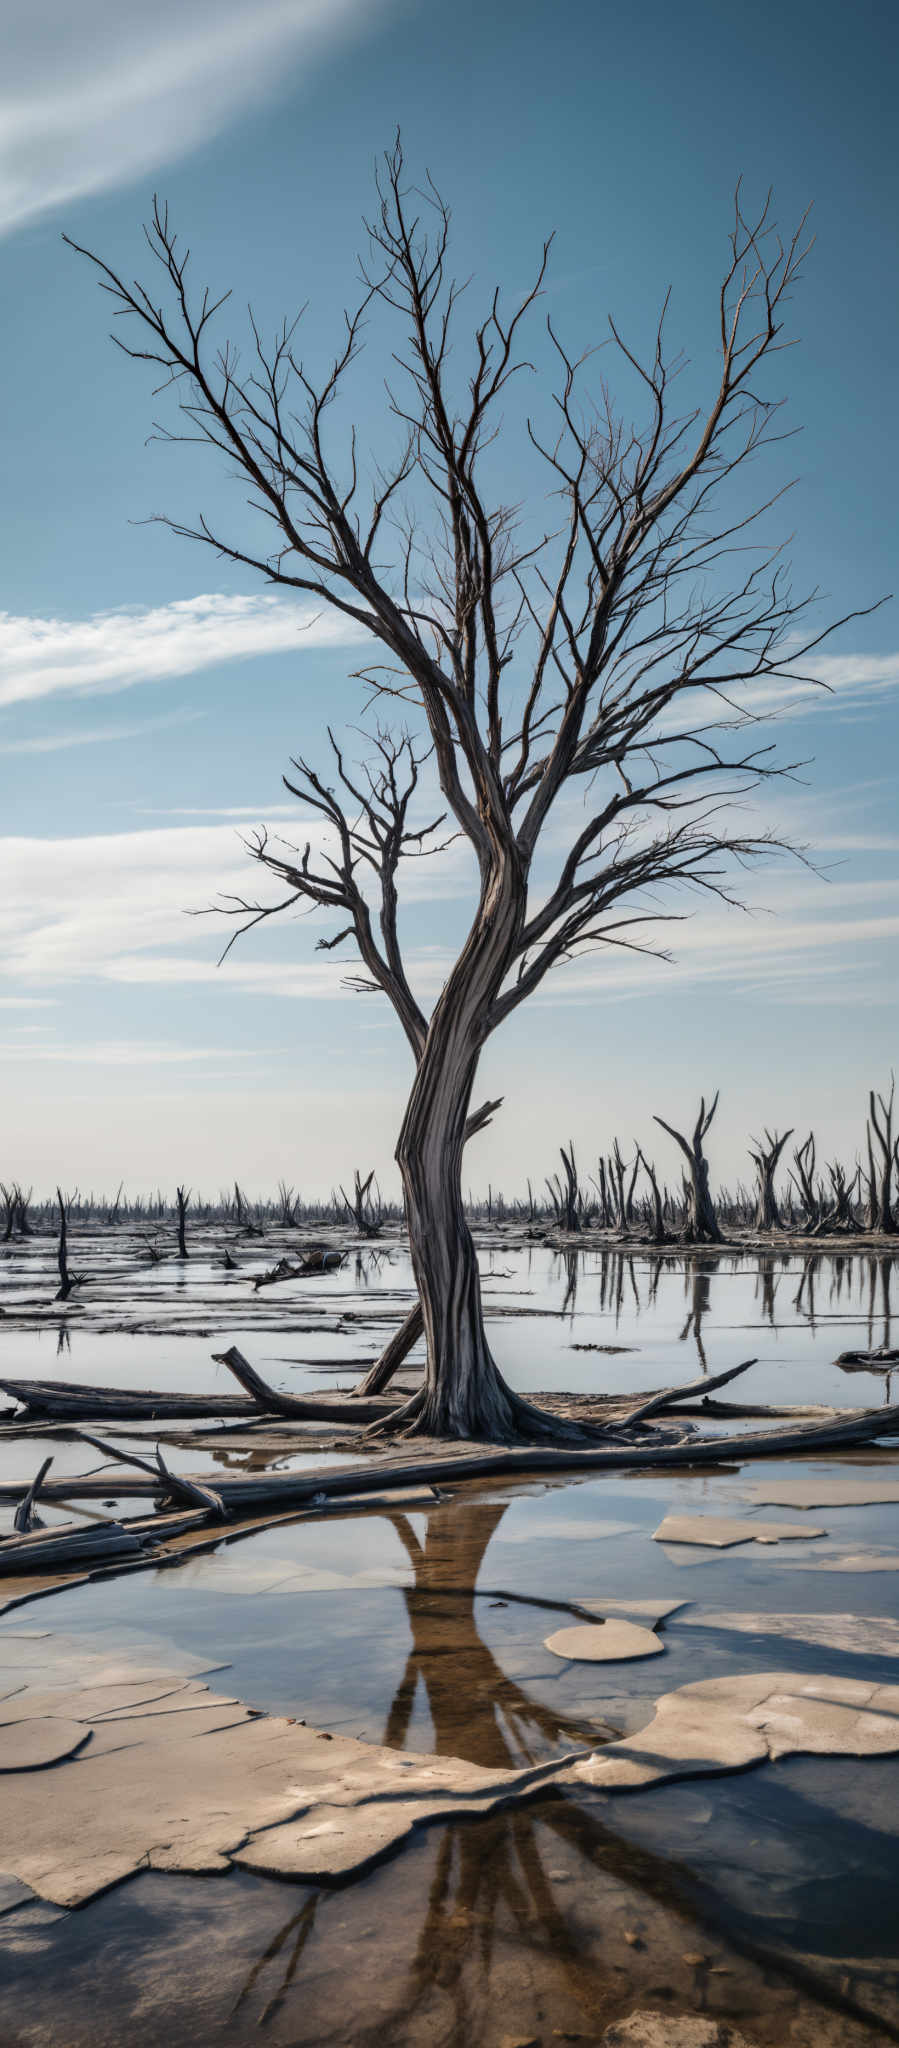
point(766, 1898)
point(610, 1319)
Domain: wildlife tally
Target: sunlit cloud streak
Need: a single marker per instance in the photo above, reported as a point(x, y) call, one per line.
point(115, 650)
point(96, 95)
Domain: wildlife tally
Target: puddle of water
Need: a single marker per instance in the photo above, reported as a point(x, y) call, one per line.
point(423, 1630)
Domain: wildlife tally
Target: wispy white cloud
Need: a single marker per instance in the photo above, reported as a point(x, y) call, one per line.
point(27, 1002)
point(114, 650)
point(113, 906)
point(132, 1052)
point(96, 735)
point(98, 94)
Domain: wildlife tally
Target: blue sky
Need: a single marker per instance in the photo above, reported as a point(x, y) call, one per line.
point(150, 696)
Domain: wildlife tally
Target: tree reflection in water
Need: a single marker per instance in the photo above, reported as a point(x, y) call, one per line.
point(499, 1922)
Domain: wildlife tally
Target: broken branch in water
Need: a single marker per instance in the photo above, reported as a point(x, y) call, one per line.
point(25, 1518)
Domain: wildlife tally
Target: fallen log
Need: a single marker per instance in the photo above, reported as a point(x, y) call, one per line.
point(881, 1360)
point(26, 1517)
point(671, 1396)
point(189, 1492)
point(67, 1398)
point(70, 1544)
point(245, 1492)
point(64, 1400)
point(346, 1408)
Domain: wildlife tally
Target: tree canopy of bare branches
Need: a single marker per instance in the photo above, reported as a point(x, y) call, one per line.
point(584, 668)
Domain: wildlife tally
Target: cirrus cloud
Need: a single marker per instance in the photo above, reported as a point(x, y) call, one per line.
point(96, 95)
point(114, 650)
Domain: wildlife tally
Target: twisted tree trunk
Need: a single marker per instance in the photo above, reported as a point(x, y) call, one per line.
point(464, 1393)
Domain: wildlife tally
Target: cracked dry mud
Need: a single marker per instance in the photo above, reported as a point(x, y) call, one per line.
point(152, 1770)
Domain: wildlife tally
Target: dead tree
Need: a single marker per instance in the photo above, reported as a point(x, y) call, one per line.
point(840, 1216)
point(616, 1178)
point(366, 1216)
point(182, 1197)
point(66, 1276)
point(564, 1193)
point(658, 1231)
point(602, 1188)
point(66, 1280)
point(700, 1220)
point(23, 1204)
point(596, 651)
point(880, 1129)
point(766, 1158)
point(803, 1178)
point(9, 1209)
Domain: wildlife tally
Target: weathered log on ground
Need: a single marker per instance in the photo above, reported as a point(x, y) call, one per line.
point(880, 1360)
point(345, 1408)
point(189, 1493)
point(318, 1259)
point(247, 1492)
point(26, 1518)
point(70, 1545)
point(659, 1404)
point(67, 1398)
point(68, 1401)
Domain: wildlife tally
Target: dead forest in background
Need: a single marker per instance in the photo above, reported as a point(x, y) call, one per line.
point(791, 1191)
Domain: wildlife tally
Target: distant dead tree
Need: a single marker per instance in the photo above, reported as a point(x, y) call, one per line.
point(564, 1193)
point(658, 1232)
point(840, 1215)
point(811, 1197)
point(364, 1209)
point(880, 1134)
point(616, 1178)
point(766, 1158)
point(67, 1279)
point(700, 1220)
point(602, 1188)
point(8, 1196)
point(590, 646)
point(182, 1197)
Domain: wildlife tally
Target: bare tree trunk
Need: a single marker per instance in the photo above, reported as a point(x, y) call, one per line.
point(464, 1393)
point(804, 1180)
point(766, 1158)
point(700, 1222)
point(182, 1196)
point(65, 1277)
point(882, 1127)
point(616, 1170)
point(659, 1233)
